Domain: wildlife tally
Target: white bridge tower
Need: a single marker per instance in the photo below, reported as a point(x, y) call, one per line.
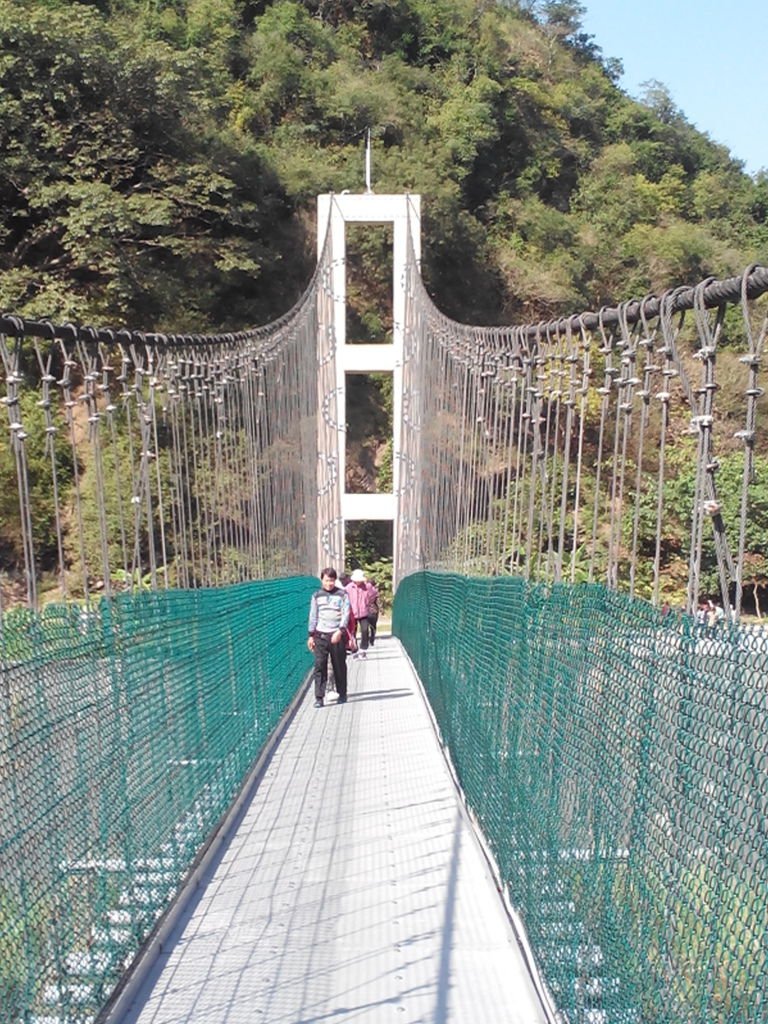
point(334, 212)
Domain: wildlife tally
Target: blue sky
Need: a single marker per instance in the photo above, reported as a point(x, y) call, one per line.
point(711, 55)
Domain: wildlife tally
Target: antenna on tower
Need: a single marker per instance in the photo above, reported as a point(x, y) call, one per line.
point(368, 188)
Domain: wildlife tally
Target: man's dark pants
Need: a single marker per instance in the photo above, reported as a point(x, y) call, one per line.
point(338, 653)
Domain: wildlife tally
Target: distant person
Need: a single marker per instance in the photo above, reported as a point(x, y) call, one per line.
point(714, 616)
point(328, 620)
point(373, 613)
point(361, 595)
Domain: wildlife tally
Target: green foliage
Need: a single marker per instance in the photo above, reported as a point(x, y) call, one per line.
point(122, 198)
point(385, 479)
point(379, 571)
point(132, 581)
point(156, 157)
point(39, 457)
point(679, 489)
point(22, 938)
point(367, 546)
point(161, 162)
point(369, 283)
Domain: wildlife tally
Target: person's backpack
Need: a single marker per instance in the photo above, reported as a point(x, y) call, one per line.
point(352, 624)
point(351, 631)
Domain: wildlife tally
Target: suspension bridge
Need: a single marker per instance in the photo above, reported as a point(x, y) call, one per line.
point(545, 799)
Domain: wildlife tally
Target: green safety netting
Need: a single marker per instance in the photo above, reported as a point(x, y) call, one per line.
point(616, 759)
point(126, 731)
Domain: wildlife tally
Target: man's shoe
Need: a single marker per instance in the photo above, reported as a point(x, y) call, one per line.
point(318, 703)
point(341, 700)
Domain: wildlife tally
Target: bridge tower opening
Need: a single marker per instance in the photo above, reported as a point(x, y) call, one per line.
point(334, 213)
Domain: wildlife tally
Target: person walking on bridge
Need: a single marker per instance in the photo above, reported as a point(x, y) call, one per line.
point(362, 595)
point(328, 621)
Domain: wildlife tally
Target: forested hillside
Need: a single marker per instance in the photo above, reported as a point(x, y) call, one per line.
point(160, 160)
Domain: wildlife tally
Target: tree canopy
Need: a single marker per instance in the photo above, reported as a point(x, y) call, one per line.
point(161, 160)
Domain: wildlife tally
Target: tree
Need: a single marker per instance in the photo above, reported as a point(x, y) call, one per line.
point(42, 459)
point(679, 489)
point(122, 200)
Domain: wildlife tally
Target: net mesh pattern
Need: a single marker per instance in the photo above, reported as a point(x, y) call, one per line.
point(126, 731)
point(149, 461)
point(616, 759)
point(624, 447)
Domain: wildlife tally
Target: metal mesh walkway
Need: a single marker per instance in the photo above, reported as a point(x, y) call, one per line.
point(352, 888)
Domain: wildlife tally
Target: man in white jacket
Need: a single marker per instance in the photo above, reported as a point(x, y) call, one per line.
point(328, 620)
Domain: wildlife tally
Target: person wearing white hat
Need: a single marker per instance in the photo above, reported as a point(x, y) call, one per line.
point(362, 595)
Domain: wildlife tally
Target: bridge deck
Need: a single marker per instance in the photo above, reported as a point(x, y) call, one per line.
point(353, 887)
